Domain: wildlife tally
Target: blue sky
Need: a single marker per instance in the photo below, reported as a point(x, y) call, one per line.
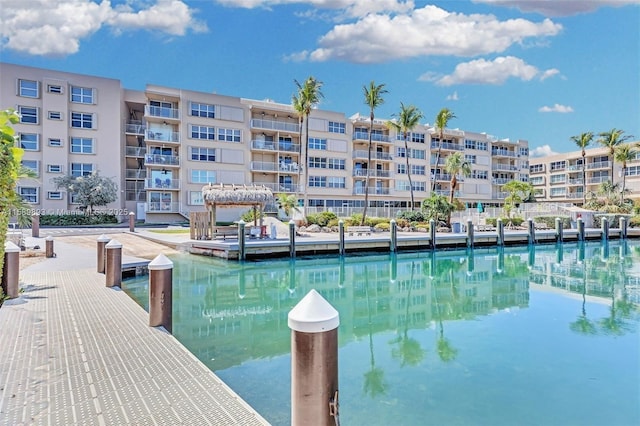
point(540, 70)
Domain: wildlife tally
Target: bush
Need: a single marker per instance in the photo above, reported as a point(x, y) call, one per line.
point(413, 216)
point(550, 221)
point(77, 219)
point(382, 226)
point(251, 215)
point(515, 221)
point(634, 222)
point(321, 219)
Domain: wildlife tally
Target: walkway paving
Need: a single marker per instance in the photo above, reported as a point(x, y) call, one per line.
point(76, 352)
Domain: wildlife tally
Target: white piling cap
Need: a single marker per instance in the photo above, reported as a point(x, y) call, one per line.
point(49, 238)
point(103, 239)
point(313, 314)
point(161, 262)
point(113, 244)
point(10, 247)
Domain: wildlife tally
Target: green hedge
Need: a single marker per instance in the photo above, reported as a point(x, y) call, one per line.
point(550, 221)
point(77, 219)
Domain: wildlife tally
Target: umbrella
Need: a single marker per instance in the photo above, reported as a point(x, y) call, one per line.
point(480, 208)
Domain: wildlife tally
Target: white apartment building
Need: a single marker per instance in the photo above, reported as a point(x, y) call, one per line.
point(559, 177)
point(163, 144)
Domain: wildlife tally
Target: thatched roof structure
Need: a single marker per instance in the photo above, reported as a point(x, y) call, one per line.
point(236, 195)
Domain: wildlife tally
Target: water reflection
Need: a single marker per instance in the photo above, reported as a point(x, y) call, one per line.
point(409, 313)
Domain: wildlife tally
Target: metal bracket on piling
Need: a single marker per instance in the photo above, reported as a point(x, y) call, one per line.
point(334, 407)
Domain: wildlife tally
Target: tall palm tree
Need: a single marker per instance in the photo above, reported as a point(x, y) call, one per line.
point(442, 120)
point(611, 140)
point(299, 109)
point(373, 98)
point(455, 164)
point(408, 118)
point(583, 140)
point(308, 95)
point(623, 154)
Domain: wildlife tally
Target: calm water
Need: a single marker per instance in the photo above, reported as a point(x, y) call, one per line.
point(540, 336)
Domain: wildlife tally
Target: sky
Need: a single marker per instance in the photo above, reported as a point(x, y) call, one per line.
point(538, 70)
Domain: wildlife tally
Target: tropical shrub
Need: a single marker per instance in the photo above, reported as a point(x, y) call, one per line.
point(77, 219)
point(382, 226)
point(550, 221)
point(251, 215)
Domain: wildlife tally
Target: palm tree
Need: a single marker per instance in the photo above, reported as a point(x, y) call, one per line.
point(299, 109)
point(611, 140)
point(583, 140)
point(442, 119)
point(308, 96)
point(373, 98)
point(623, 154)
point(454, 165)
point(408, 118)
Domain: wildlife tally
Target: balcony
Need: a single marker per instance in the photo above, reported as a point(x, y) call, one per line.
point(135, 128)
point(375, 137)
point(598, 179)
point(282, 187)
point(372, 173)
point(162, 160)
point(135, 151)
point(375, 155)
point(503, 153)
point(372, 191)
point(500, 181)
point(162, 207)
point(500, 195)
point(159, 183)
point(263, 166)
point(599, 165)
point(162, 112)
point(576, 181)
point(156, 136)
point(505, 167)
point(447, 146)
point(136, 174)
point(257, 123)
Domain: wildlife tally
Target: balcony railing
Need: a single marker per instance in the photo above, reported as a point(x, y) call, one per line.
point(375, 137)
point(282, 187)
point(442, 177)
point(371, 173)
point(275, 146)
point(136, 173)
point(135, 128)
point(163, 160)
point(599, 165)
point(162, 207)
point(362, 154)
point(263, 166)
point(173, 137)
point(372, 191)
point(507, 167)
point(275, 125)
point(135, 195)
point(135, 151)
point(500, 181)
point(598, 179)
point(447, 145)
point(503, 153)
point(500, 195)
point(162, 112)
point(576, 181)
point(159, 183)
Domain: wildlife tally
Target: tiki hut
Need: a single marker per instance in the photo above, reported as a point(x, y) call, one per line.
point(220, 195)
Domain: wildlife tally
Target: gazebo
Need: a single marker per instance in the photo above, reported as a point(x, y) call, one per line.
point(221, 195)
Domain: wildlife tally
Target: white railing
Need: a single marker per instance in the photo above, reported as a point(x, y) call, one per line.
point(161, 136)
point(447, 145)
point(159, 183)
point(282, 187)
point(376, 137)
point(263, 166)
point(372, 191)
point(372, 173)
point(162, 112)
point(274, 125)
point(164, 160)
point(135, 151)
point(162, 207)
point(136, 128)
point(599, 165)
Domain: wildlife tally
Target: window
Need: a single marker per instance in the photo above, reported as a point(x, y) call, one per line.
point(336, 182)
point(31, 165)
point(402, 185)
point(203, 154)
point(481, 146)
point(335, 127)
point(558, 179)
point(318, 181)
point(558, 165)
point(524, 151)
point(28, 115)
point(81, 169)
point(417, 137)
point(54, 168)
point(82, 146)
point(317, 163)
point(195, 198)
point(336, 163)
point(419, 186)
point(469, 144)
point(317, 143)
point(28, 194)
point(536, 168)
point(55, 142)
point(557, 192)
point(55, 115)
point(81, 120)
point(480, 174)
point(81, 95)
point(401, 169)
point(203, 176)
point(417, 170)
point(30, 141)
point(229, 135)
point(471, 159)
point(537, 180)
point(417, 153)
point(28, 88)
point(401, 152)
point(203, 132)
point(54, 88)
point(54, 195)
point(203, 110)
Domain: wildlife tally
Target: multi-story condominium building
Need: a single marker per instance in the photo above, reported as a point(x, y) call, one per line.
point(559, 177)
point(163, 144)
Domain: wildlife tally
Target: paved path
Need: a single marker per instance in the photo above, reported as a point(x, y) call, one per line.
point(76, 352)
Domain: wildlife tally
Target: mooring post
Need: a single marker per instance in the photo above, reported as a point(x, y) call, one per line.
point(394, 268)
point(11, 270)
point(471, 266)
point(314, 361)
point(132, 222)
point(101, 252)
point(432, 233)
point(532, 231)
point(500, 228)
point(580, 223)
point(241, 240)
point(113, 265)
point(469, 233)
point(161, 292)
point(532, 256)
point(500, 262)
point(559, 230)
point(292, 239)
point(604, 229)
point(559, 253)
point(48, 247)
point(394, 236)
point(623, 228)
point(341, 237)
point(35, 225)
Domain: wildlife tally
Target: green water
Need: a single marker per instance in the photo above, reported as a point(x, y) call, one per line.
point(541, 336)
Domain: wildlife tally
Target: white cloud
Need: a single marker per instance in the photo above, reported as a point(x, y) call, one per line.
point(426, 31)
point(554, 8)
point(351, 8)
point(453, 97)
point(541, 151)
point(42, 27)
point(549, 73)
point(482, 71)
point(562, 109)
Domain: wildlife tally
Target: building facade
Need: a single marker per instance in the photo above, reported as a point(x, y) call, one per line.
point(163, 144)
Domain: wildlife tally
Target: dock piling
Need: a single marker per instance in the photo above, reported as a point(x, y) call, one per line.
point(113, 266)
point(161, 292)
